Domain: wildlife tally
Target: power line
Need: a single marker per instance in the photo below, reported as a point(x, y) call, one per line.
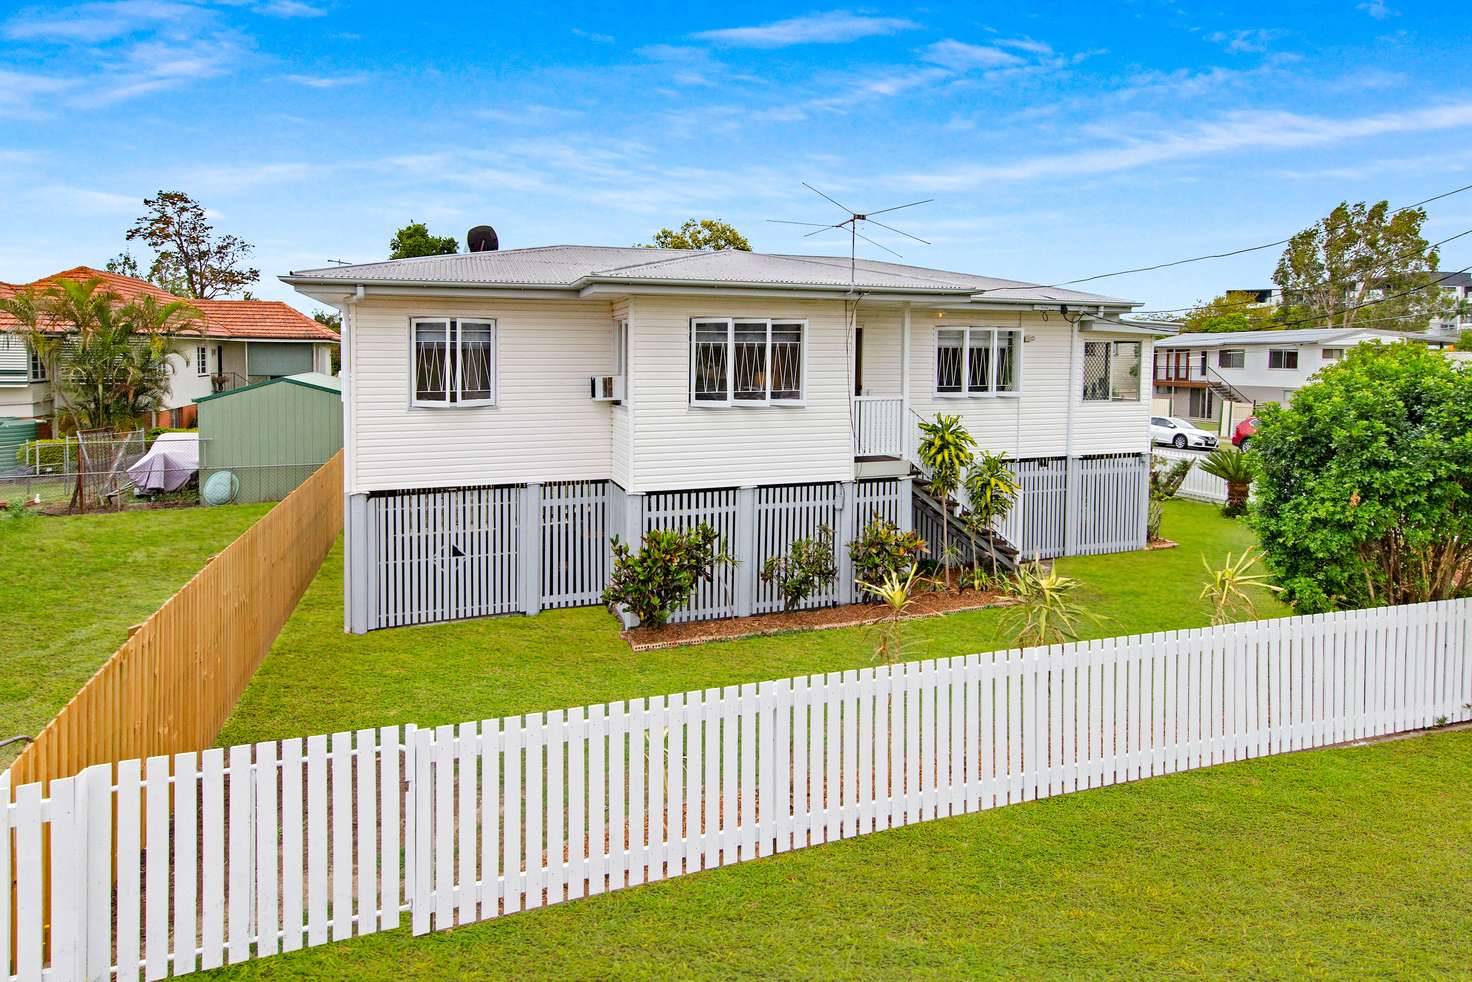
point(1216, 255)
point(1248, 303)
point(1341, 310)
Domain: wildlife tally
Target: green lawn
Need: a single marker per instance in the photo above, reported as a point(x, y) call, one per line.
point(1343, 863)
point(318, 679)
point(72, 586)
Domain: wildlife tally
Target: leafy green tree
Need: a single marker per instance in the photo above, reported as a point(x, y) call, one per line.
point(125, 264)
point(189, 260)
point(1464, 342)
point(1235, 310)
point(1364, 482)
point(414, 240)
point(330, 319)
point(702, 233)
point(108, 360)
point(1358, 254)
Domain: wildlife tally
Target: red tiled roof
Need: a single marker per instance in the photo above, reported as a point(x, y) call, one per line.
point(263, 319)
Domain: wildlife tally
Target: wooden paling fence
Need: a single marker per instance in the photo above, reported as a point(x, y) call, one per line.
point(173, 683)
point(233, 854)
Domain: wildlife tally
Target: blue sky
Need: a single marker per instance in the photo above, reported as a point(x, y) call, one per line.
point(1060, 140)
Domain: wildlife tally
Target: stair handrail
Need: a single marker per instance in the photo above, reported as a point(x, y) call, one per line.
point(1236, 393)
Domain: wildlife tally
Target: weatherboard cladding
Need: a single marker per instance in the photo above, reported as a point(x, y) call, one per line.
point(568, 266)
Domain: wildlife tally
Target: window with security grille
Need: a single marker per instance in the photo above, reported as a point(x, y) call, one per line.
point(1112, 371)
point(978, 361)
point(454, 362)
point(745, 361)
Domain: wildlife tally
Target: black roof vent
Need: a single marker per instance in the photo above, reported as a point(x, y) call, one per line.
point(482, 238)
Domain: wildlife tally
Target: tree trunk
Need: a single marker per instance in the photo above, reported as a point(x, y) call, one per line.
point(1237, 497)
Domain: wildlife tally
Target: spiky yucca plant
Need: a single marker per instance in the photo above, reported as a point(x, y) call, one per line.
point(1045, 612)
point(1235, 467)
point(1228, 588)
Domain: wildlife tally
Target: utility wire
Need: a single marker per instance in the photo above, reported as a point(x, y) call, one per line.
point(1229, 305)
point(1216, 255)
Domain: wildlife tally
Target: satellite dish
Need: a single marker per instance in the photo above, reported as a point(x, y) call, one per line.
point(482, 238)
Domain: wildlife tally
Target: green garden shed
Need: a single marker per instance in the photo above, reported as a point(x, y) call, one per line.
point(258, 442)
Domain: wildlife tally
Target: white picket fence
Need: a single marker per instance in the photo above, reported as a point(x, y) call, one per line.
point(228, 855)
point(1198, 485)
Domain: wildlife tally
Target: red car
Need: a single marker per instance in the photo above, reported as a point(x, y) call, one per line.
point(1245, 431)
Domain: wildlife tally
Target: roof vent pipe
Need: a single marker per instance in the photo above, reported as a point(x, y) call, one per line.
point(482, 238)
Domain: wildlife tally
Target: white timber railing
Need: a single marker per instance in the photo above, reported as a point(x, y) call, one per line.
point(185, 862)
point(879, 426)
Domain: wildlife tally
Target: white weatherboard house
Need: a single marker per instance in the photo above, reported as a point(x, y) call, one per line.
point(507, 412)
point(1197, 372)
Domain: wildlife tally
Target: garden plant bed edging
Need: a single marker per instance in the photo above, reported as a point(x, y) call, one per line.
point(819, 619)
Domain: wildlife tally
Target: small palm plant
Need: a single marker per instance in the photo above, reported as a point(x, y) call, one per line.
point(945, 451)
point(992, 487)
point(897, 593)
point(1234, 467)
point(1045, 612)
point(1228, 588)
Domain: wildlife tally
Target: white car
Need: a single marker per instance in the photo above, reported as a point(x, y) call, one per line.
point(1178, 433)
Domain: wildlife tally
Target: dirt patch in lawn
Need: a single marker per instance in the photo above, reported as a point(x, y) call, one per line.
point(1160, 544)
point(821, 619)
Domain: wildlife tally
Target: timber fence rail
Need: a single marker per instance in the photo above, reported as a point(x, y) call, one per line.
point(173, 683)
point(201, 859)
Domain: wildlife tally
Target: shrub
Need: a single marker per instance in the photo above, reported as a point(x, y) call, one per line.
point(802, 572)
point(1227, 588)
point(1364, 486)
point(993, 489)
point(52, 453)
point(945, 450)
point(659, 579)
point(1046, 612)
point(1166, 478)
point(1234, 467)
point(883, 551)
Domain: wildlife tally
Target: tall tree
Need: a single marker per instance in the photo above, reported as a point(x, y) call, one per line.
point(188, 259)
point(702, 233)
point(414, 240)
point(1362, 263)
point(1235, 310)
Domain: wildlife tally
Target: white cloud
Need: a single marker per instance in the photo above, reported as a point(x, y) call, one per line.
point(594, 36)
point(326, 81)
point(290, 8)
point(1375, 8)
point(1250, 41)
point(1230, 133)
point(833, 27)
point(960, 56)
point(529, 115)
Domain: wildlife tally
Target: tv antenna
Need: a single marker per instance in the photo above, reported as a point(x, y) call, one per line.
point(340, 262)
point(851, 223)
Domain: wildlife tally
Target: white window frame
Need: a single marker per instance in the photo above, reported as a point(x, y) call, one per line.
point(768, 402)
point(1241, 354)
point(36, 366)
point(1283, 351)
point(1338, 354)
point(1111, 346)
point(451, 322)
point(621, 346)
point(992, 392)
point(202, 360)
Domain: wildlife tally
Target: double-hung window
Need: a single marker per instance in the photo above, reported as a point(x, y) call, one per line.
point(746, 361)
point(202, 360)
point(38, 365)
point(978, 361)
point(621, 348)
point(1112, 371)
point(454, 361)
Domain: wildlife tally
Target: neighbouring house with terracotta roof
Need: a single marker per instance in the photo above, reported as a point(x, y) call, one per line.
point(235, 343)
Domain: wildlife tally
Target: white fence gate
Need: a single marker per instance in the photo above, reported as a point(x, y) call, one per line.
point(241, 853)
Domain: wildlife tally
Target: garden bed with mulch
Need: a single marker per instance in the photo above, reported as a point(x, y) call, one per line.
point(1155, 544)
point(821, 619)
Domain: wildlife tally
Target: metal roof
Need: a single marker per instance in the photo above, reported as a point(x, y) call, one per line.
point(572, 267)
point(312, 380)
point(1316, 335)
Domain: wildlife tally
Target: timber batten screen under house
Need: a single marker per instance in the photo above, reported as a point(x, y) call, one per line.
point(507, 413)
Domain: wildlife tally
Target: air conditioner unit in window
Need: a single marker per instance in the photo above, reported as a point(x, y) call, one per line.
point(606, 388)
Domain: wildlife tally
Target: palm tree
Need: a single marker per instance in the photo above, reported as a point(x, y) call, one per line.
point(945, 451)
point(1235, 467)
point(108, 359)
point(993, 489)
